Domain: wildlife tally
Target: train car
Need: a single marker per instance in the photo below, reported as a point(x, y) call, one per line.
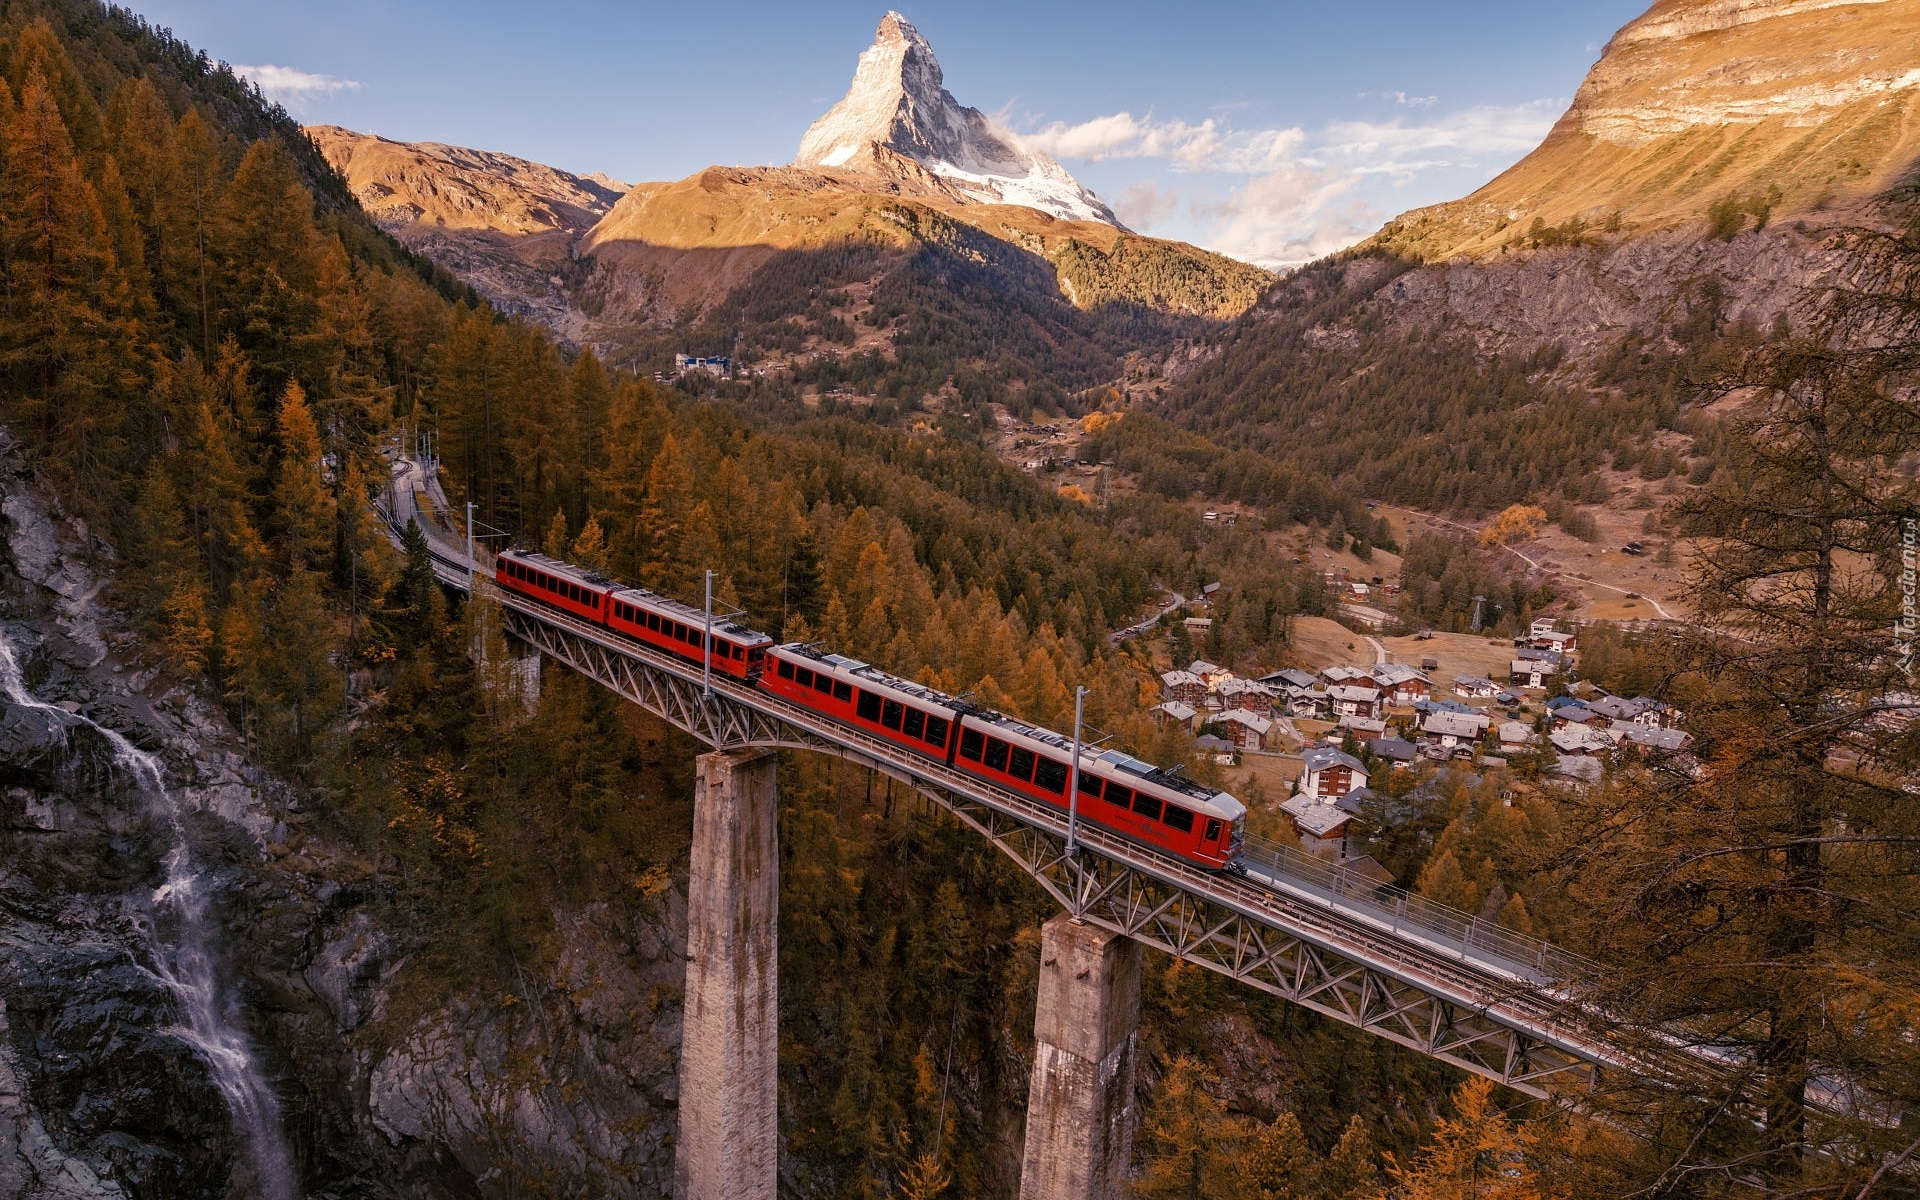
point(634, 612)
point(1132, 798)
point(569, 588)
point(915, 718)
point(680, 629)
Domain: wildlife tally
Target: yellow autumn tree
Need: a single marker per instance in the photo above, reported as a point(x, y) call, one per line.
point(1477, 1154)
point(1516, 523)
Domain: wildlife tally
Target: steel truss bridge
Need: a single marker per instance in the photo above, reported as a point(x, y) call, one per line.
point(1476, 997)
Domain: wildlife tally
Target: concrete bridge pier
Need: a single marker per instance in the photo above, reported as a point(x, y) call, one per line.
point(729, 1094)
point(1080, 1113)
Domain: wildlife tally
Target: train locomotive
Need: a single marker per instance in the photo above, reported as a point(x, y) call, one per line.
point(1134, 799)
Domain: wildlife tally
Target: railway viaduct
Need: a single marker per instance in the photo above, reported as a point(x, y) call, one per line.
point(1392, 964)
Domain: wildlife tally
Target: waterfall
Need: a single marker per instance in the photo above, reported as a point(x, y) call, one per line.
point(182, 938)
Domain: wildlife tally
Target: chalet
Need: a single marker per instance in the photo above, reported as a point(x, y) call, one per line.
point(1398, 751)
point(1516, 736)
point(1352, 676)
point(1474, 687)
point(1451, 730)
point(1353, 700)
point(1292, 677)
point(1173, 712)
point(1309, 703)
point(1578, 714)
point(1213, 674)
point(1364, 728)
point(1585, 740)
point(1183, 686)
point(1245, 693)
point(1651, 738)
point(1323, 822)
point(1248, 730)
point(1402, 685)
point(1330, 772)
point(1576, 771)
point(1198, 626)
point(1221, 748)
point(1529, 673)
point(1559, 643)
point(1614, 708)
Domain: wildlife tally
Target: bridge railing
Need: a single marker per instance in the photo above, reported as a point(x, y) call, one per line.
point(1405, 912)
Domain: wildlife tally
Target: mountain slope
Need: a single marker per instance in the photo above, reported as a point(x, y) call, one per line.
point(1792, 106)
point(897, 104)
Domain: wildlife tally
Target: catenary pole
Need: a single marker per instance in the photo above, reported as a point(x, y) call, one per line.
point(706, 676)
point(1073, 774)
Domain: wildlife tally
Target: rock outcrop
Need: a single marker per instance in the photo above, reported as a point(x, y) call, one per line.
point(395, 1078)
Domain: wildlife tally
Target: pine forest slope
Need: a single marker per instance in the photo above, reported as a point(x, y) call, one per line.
point(1542, 336)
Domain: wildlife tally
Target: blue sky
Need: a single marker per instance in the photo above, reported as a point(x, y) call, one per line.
point(1272, 131)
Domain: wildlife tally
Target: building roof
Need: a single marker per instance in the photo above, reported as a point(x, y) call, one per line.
point(1313, 815)
point(1363, 724)
point(1616, 709)
point(1345, 674)
point(1238, 687)
point(1517, 733)
point(1353, 692)
point(1394, 674)
point(1176, 710)
point(1577, 738)
point(1396, 749)
point(1472, 681)
point(1252, 720)
point(1527, 666)
point(1174, 679)
point(1207, 741)
point(1576, 767)
point(1201, 666)
point(1292, 677)
point(1652, 736)
point(1466, 725)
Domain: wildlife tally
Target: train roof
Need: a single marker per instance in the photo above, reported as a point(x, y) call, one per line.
point(686, 614)
point(1109, 763)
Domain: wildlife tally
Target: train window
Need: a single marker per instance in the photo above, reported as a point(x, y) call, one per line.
point(937, 730)
point(1178, 817)
point(1213, 830)
point(867, 707)
point(1020, 766)
point(1119, 797)
point(915, 725)
point(890, 714)
point(1051, 776)
point(971, 742)
point(803, 676)
point(785, 669)
point(1090, 786)
point(823, 683)
point(841, 691)
point(996, 754)
point(1146, 806)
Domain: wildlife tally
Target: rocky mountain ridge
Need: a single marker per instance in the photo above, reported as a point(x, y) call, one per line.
point(897, 106)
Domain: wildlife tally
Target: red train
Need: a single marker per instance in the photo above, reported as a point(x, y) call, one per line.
point(1135, 799)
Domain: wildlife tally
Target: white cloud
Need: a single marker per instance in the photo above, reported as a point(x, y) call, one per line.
point(293, 88)
point(1297, 200)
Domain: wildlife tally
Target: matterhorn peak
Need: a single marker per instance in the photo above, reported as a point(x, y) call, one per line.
point(897, 103)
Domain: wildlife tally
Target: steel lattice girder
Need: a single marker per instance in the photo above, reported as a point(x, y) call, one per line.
point(1106, 889)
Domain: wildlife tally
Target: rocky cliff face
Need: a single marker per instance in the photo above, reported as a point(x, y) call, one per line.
point(393, 1078)
point(1794, 108)
point(1703, 160)
point(897, 106)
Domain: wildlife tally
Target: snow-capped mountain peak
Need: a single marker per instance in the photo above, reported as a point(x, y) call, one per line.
point(897, 102)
